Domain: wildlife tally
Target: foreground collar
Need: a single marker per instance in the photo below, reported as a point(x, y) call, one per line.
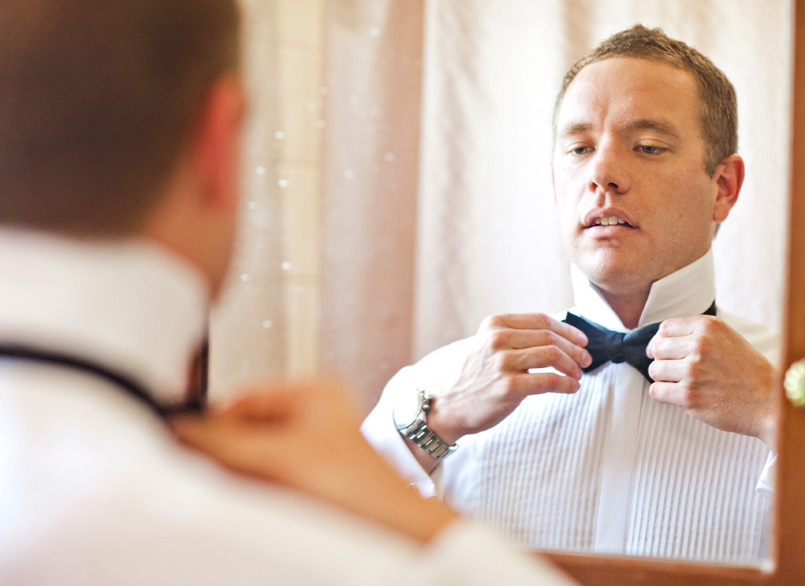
point(129, 306)
point(688, 291)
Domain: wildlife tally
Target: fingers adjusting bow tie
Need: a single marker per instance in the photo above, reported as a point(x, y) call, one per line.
point(608, 346)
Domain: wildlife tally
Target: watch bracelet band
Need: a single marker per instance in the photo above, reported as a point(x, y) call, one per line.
point(419, 433)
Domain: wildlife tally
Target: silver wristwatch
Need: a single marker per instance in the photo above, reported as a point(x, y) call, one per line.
point(411, 420)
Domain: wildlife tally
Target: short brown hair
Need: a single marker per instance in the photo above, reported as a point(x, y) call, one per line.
point(719, 110)
point(98, 98)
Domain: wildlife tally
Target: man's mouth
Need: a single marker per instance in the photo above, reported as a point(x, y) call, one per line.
point(607, 222)
point(611, 221)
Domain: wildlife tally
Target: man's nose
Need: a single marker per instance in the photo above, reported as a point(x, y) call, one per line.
point(609, 170)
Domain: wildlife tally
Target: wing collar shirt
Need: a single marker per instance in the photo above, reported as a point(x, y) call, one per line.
point(606, 469)
point(94, 491)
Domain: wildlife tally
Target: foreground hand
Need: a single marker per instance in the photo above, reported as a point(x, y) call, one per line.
point(306, 437)
point(495, 377)
point(708, 369)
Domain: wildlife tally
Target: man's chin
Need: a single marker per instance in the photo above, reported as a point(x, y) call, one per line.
point(615, 274)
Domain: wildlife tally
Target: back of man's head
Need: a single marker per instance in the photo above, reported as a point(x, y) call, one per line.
point(98, 100)
point(718, 105)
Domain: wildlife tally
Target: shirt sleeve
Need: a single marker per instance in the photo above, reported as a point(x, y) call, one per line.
point(765, 486)
point(379, 429)
point(380, 432)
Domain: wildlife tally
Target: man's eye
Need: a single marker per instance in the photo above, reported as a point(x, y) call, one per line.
point(580, 150)
point(650, 149)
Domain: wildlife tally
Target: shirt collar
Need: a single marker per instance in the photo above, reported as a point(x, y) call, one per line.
point(129, 306)
point(688, 291)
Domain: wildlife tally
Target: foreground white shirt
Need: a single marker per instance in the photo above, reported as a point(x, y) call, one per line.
point(606, 469)
point(94, 491)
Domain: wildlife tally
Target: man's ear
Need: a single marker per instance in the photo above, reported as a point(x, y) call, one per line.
point(217, 147)
point(729, 177)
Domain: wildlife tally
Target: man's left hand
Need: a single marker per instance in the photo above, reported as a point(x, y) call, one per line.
point(305, 436)
point(708, 369)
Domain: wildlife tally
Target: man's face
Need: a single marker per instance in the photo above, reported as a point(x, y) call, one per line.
point(634, 200)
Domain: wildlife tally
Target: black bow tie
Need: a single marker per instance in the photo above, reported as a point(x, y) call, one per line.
point(608, 346)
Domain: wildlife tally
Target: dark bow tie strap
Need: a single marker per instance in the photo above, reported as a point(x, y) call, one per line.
point(124, 383)
point(608, 346)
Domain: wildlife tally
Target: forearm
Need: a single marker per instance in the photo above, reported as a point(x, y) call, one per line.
point(767, 421)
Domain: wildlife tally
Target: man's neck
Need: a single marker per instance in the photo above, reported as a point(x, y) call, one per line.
point(628, 306)
point(620, 303)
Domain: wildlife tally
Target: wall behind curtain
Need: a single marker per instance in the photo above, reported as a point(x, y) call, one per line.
point(373, 70)
point(323, 275)
point(266, 324)
point(397, 172)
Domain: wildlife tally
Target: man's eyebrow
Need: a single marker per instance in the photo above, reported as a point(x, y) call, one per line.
point(655, 125)
point(574, 128)
point(659, 126)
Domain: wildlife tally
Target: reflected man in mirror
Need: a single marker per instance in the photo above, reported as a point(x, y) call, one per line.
point(641, 421)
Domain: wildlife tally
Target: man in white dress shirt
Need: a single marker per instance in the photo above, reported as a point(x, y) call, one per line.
point(119, 128)
point(672, 462)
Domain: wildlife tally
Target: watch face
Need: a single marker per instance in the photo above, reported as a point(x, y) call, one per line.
point(407, 408)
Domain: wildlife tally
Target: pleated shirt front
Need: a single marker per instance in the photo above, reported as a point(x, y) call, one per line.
point(607, 469)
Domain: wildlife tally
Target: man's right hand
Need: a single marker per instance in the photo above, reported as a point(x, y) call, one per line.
point(495, 377)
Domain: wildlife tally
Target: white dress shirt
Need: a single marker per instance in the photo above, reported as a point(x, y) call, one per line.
point(607, 469)
point(93, 489)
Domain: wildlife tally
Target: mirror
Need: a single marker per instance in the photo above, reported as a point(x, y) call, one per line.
point(389, 207)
